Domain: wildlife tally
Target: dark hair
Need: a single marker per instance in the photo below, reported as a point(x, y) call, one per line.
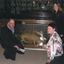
point(52, 25)
point(55, 2)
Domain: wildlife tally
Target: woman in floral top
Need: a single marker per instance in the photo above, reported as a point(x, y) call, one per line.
point(54, 45)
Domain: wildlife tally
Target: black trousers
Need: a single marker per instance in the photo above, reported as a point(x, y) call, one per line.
point(10, 52)
point(58, 60)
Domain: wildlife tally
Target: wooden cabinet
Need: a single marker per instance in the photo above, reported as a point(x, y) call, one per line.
point(3, 22)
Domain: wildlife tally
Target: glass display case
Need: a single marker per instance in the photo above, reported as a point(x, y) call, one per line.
point(32, 34)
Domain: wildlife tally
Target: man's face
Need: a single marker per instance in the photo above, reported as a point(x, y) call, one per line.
point(50, 30)
point(11, 23)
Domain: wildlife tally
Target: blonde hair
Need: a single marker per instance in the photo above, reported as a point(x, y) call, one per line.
point(59, 7)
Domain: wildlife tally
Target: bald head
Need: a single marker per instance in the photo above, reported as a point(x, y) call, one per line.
point(11, 23)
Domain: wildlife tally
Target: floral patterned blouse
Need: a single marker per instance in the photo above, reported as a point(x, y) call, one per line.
point(54, 46)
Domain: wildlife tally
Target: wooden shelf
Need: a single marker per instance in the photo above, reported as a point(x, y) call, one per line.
point(3, 22)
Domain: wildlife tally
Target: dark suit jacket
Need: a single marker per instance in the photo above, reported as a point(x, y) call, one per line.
point(8, 42)
point(59, 21)
point(9, 38)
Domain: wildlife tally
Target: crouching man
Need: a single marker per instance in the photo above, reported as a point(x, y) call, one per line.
point(9, 42)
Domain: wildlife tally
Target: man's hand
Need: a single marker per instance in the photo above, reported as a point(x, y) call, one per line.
point(17, 47)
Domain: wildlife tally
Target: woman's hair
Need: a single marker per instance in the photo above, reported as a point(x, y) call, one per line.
point(52, 25)
point(59, 7)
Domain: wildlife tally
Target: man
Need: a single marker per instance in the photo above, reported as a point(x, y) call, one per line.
point(10, 43)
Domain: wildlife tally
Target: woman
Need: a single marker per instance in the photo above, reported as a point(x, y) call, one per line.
point(58, 19)
point(54, 45)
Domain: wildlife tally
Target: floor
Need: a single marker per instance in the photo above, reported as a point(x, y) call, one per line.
point(30, 57)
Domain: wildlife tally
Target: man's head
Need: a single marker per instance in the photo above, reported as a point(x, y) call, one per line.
point(51, 28)
point(11, 23)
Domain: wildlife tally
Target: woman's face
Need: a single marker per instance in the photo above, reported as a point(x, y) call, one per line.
point(55, 7)
point(50, 30)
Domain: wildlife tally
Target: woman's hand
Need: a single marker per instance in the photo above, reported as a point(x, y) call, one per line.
point(48, 60)
point(61, 35)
